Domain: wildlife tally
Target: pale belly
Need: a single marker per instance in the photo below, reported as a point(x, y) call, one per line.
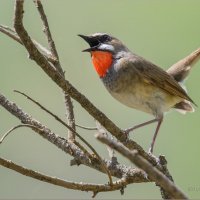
point(147, 99)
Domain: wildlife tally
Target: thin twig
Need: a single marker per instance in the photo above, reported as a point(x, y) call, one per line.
point(70, 116)
point(48, 35)
point(111, 151)
point(68, 127)
point(53, 115)
point(84, 150)
point(45, 109)
point(117, 185)
point(14, 128)
point(52, 46)
point(46, 29)
point(12, 34)
point(153, 173)
point(87, 128)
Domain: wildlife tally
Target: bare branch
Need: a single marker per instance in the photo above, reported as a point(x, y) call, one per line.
point(46, 110)
point(117, 185)
point(111, 151)
point(10, 32)
point(14, 128)
point(70, 116)
point(86, 128)
point(48, 35)
point(153, 173)
point(163, 163)
point(84, 150)
point(41, 129)
point(52, 46)
point(46, 28)
point(68, 127)
point(116, 169)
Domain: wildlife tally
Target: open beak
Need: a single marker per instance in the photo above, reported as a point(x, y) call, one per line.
point(92, 41)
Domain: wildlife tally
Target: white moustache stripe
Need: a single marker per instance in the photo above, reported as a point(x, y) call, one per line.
point(107, 47)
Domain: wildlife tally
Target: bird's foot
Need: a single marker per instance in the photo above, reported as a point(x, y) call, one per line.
point(150, 151)
point(128, 130)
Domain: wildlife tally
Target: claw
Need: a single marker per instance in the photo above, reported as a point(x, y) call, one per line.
point(126, 132)
point(150, 151)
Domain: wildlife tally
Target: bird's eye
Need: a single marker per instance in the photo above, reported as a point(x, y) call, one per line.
point(105, 38)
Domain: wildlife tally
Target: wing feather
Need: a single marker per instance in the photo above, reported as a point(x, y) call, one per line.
point(157, 76)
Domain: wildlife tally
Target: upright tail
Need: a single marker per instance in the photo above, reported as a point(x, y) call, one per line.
point(179, 71)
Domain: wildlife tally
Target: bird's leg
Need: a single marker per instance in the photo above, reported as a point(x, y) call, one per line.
point(127, 131)
point(155, 134)
point(159, 120)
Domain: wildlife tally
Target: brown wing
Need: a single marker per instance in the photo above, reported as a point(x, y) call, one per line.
point(158, 77)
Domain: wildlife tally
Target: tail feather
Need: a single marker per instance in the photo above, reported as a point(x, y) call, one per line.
point(180, 70)
point(184, 107)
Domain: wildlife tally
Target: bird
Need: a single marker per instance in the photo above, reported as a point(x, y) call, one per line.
point(137, 82)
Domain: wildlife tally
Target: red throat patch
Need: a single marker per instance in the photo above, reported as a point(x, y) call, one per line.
point(102, 61)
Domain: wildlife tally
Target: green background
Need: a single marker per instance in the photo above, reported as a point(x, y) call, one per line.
point(161, 31)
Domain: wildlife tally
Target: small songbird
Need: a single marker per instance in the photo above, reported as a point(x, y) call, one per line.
point(136, 82)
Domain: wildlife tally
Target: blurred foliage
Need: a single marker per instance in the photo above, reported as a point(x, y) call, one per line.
point(161, 31)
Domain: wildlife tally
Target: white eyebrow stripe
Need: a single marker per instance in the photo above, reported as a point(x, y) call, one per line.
point(106, 47)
